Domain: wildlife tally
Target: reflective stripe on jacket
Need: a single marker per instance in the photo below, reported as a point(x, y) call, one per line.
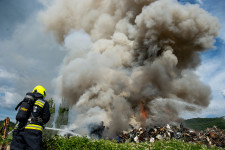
point(40, 103)
point(34, 127)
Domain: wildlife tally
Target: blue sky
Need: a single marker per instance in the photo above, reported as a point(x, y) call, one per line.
point(30, 56)
point(212, 69)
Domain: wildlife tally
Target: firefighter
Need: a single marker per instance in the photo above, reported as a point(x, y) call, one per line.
point(27, 136)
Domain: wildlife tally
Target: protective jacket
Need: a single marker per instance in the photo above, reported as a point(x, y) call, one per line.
point(29, 134)
point(40, 114)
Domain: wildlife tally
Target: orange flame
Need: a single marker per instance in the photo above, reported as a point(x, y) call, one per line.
point(143, 112)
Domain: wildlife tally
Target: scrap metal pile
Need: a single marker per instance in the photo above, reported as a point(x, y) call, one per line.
point(210, 136)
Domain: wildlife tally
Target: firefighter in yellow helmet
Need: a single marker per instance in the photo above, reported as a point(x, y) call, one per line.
point(33, 114)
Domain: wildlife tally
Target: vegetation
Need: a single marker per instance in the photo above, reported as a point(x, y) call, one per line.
point(203, 123)
point(9, 138)
point(50, 133)
point(83, 143)
point(63, 114)
point(52, 111)
point(62, 118)
point(51, 105)
point(11, 125)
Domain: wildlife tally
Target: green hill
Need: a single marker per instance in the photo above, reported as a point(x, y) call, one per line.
point(203, 123)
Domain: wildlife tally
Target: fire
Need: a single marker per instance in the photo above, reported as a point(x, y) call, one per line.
point(143, 112)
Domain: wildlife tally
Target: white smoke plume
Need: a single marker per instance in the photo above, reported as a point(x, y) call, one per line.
point(130, 56)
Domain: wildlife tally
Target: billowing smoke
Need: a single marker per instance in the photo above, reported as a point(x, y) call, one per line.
point(129, 56)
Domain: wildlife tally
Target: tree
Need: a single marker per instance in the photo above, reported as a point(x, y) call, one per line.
point(63, 114)
point(50, 133)
point(52, 111)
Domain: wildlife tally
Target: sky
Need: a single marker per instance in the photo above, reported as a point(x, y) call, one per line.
point(32, 56)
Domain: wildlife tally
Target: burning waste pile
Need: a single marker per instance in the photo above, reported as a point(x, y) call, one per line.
point(209, 137)
point(130, 61)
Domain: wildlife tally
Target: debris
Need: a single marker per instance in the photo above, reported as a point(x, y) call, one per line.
point(210, 136)
point(136, 139)
point(159, 137)
point(152, 140)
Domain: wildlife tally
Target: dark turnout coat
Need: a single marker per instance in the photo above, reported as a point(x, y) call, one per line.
point(30, 136)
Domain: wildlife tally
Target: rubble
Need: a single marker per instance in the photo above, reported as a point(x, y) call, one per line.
point(210, 136)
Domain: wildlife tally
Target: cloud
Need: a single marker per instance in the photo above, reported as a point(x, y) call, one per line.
point(212, 73)
point(215, 108)
point(5, 74)
point(216, 80)
point(28, 58)
point(13, 13)
point(199, 1)
point(216, 8)
point(211, 70)
point(223, 92)
point(45, 2)
point(9, 98)
point(5, 114)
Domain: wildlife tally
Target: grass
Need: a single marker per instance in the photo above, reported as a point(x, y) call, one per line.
point(7, 141)
point(83, 143)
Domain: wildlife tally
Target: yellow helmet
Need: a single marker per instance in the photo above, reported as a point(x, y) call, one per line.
point(40, 89)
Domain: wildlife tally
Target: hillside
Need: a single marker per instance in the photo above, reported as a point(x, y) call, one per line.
point(203, 123)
